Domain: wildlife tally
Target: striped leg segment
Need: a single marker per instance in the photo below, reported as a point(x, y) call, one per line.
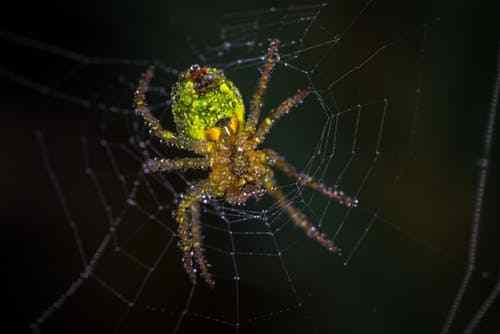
point(189, 232)
point(301, 221)
point(256, 104)
point(199, 251)
point(142, 109)
point(280, 163)
point(283, 109)
point(167, 165)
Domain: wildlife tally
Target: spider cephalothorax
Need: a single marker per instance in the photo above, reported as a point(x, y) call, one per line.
point(209, 114)
point(238, 169)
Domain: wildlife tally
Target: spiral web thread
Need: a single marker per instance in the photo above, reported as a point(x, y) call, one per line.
point(351, 139)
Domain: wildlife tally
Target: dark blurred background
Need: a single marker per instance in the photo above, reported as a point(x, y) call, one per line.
point(408, 270)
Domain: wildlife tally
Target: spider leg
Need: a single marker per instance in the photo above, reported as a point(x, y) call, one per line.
point(199, 251)
point(166, 165)
point(275, 114)
point(189, 230)
point(185, 244)
point(274, 159)
point(301, 220)
point(142, 109)
point(256, 104)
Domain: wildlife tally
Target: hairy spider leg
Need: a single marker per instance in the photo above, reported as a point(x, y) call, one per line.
point(275, 114)
point(300, 220)
point(256, 103)
point(187, 259)
point(275, 160)
point(189, 230)
point(156, 165)
point(142, 109)
point(199, 251)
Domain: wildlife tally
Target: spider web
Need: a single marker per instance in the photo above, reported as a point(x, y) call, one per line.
point(103, 256)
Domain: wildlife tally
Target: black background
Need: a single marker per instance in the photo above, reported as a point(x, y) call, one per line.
point(461, 77)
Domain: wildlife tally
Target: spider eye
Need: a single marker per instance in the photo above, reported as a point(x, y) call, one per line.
point(225, 126)
point(224, 122)
point(204, 78)
point(229, 124)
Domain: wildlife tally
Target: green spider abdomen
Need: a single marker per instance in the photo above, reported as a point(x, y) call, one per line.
point(202, 97)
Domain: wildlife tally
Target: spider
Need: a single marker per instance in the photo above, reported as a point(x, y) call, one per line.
point(209, 115)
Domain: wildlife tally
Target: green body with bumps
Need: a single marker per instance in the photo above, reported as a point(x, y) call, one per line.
point(198, 104)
